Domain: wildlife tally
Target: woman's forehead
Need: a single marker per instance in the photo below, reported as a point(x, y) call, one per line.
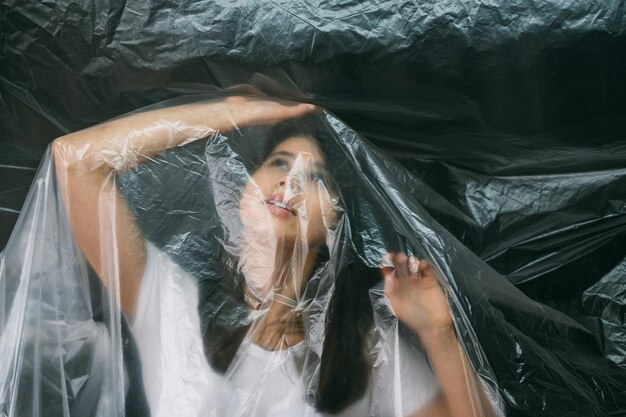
point(297, 144)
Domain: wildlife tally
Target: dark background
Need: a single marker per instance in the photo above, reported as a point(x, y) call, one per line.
point(512, 111)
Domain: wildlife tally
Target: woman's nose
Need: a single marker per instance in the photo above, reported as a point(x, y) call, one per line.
point(289, 184)
point(285, 179)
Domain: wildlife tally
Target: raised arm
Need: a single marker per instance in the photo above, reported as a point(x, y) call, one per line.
point(86, 164)
point(419, 302)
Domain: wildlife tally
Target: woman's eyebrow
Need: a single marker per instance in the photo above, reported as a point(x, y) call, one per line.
point(284, 153)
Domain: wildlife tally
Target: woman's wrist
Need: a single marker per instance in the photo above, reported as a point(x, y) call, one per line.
point(437, 338)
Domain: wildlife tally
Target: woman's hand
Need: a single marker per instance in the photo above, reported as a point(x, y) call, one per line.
point(415, 295)
point(247, 110)
point(419, 302)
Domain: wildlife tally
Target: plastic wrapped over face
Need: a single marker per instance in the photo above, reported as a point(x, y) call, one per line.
point(241, 256)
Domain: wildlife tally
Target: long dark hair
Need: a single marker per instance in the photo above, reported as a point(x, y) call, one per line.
point(344, 366)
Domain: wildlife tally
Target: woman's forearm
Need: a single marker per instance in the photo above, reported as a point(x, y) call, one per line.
point(125, 142)
point(122, 143)
point(463, 393)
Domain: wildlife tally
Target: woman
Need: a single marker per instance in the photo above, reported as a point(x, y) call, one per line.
point(287, 209)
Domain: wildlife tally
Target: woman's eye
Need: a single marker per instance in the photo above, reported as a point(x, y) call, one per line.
point(280, 163)
point(316, 177)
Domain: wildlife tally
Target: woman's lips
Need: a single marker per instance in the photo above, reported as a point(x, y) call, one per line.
point(278, 208)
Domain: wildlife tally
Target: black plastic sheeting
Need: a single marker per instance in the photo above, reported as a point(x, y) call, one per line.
point(511, 113)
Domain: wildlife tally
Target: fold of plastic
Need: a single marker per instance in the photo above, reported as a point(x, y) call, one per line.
point(209, 230)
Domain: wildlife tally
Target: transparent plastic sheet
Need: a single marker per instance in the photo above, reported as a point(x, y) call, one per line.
point(514, 115)
point(259, 289)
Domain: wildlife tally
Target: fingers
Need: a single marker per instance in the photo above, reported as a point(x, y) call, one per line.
point(288, 109)
point(246, 110)
point(414, 267)
point(401, 265)
point(388, 267)
point(303, 108)
point(291, 110)
point(400, 270)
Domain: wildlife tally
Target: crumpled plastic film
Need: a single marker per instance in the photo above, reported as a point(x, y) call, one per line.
point(512, 115)
point(230, 257)
point(243, 256)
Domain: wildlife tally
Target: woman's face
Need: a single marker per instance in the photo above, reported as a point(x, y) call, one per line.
point(288, 196)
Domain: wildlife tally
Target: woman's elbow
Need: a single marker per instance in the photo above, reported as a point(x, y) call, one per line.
point(60, 152)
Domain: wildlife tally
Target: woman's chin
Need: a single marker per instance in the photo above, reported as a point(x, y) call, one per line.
point(286, 237)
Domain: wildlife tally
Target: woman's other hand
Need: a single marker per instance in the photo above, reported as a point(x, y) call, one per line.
point(418, 300)
point(415, 295)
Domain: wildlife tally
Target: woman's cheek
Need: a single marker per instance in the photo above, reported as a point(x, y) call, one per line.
point(315, 228)
point(254, 215)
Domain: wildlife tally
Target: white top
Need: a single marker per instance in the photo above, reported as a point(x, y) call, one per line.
point(179, 382)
